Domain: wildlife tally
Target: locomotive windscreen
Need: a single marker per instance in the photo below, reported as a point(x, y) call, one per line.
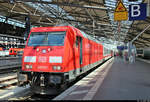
point(46, 39)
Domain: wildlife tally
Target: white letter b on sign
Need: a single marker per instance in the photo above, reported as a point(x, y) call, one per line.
point(135, 12)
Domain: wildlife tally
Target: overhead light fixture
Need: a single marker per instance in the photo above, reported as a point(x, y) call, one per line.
point(95, 7)
point(11, 1)
point(132, 0)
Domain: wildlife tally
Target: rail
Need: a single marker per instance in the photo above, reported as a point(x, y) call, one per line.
point(9, 58)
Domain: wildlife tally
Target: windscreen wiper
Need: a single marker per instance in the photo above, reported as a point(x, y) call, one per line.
point(34, 47)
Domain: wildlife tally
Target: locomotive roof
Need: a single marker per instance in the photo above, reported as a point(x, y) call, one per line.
point(86, 35)
point(59, 28)
point(89, 37)
point(36, 29)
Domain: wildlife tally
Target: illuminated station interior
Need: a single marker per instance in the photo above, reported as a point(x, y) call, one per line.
point(74, 50)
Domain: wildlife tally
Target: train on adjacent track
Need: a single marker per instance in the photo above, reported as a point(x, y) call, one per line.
point(15, 51)
point(143, 53)
point(2, 47)
point(55, 56)
point(11, 51)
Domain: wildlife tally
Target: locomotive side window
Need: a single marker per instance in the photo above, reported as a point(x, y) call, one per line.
point(46, 39)
point(77, 41)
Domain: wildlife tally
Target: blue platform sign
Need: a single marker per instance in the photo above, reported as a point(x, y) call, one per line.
point(137, 11)
point(122, 47)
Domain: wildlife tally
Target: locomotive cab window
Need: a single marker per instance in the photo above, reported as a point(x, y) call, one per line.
point(46, 39)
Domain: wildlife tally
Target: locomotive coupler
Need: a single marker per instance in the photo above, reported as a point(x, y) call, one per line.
point(42, 80)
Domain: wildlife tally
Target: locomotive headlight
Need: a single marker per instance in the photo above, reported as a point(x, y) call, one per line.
point(56, 67)
point(28, 66)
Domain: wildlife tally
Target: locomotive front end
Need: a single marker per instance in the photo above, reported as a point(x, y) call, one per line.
point(42, 63)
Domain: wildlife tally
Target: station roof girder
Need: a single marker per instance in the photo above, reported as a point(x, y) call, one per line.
point(82, 12)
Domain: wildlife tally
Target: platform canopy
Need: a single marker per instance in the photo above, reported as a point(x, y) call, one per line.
point(94, 17)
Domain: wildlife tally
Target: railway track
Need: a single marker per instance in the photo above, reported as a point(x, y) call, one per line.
point(8, 85)
point(32, 97)
point(5, 63)
point(28, 95)
point(10, 58)
point(9, 69)
point(11, 81)
point(6, 82)
point(9, 64)
point(40, 97)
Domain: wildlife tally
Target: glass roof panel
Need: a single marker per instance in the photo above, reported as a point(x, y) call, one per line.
point(50, 9)
point(12, 22)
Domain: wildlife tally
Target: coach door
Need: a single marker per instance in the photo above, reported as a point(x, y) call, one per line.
point(80, 50)
point(79, 47)
point(78, 53)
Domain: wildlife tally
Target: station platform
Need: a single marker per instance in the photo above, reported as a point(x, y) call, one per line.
point(114, 80)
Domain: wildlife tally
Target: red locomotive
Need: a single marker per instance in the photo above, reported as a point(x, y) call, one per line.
point(1, 49)
point(55, 56)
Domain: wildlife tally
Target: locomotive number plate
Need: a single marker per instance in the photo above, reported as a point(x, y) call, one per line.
point(42, 67)
point(42, 59)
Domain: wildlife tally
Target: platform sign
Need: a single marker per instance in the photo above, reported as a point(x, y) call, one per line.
point(122, 47)
point(132, 0)
point(120, 12)
point(137, 11)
